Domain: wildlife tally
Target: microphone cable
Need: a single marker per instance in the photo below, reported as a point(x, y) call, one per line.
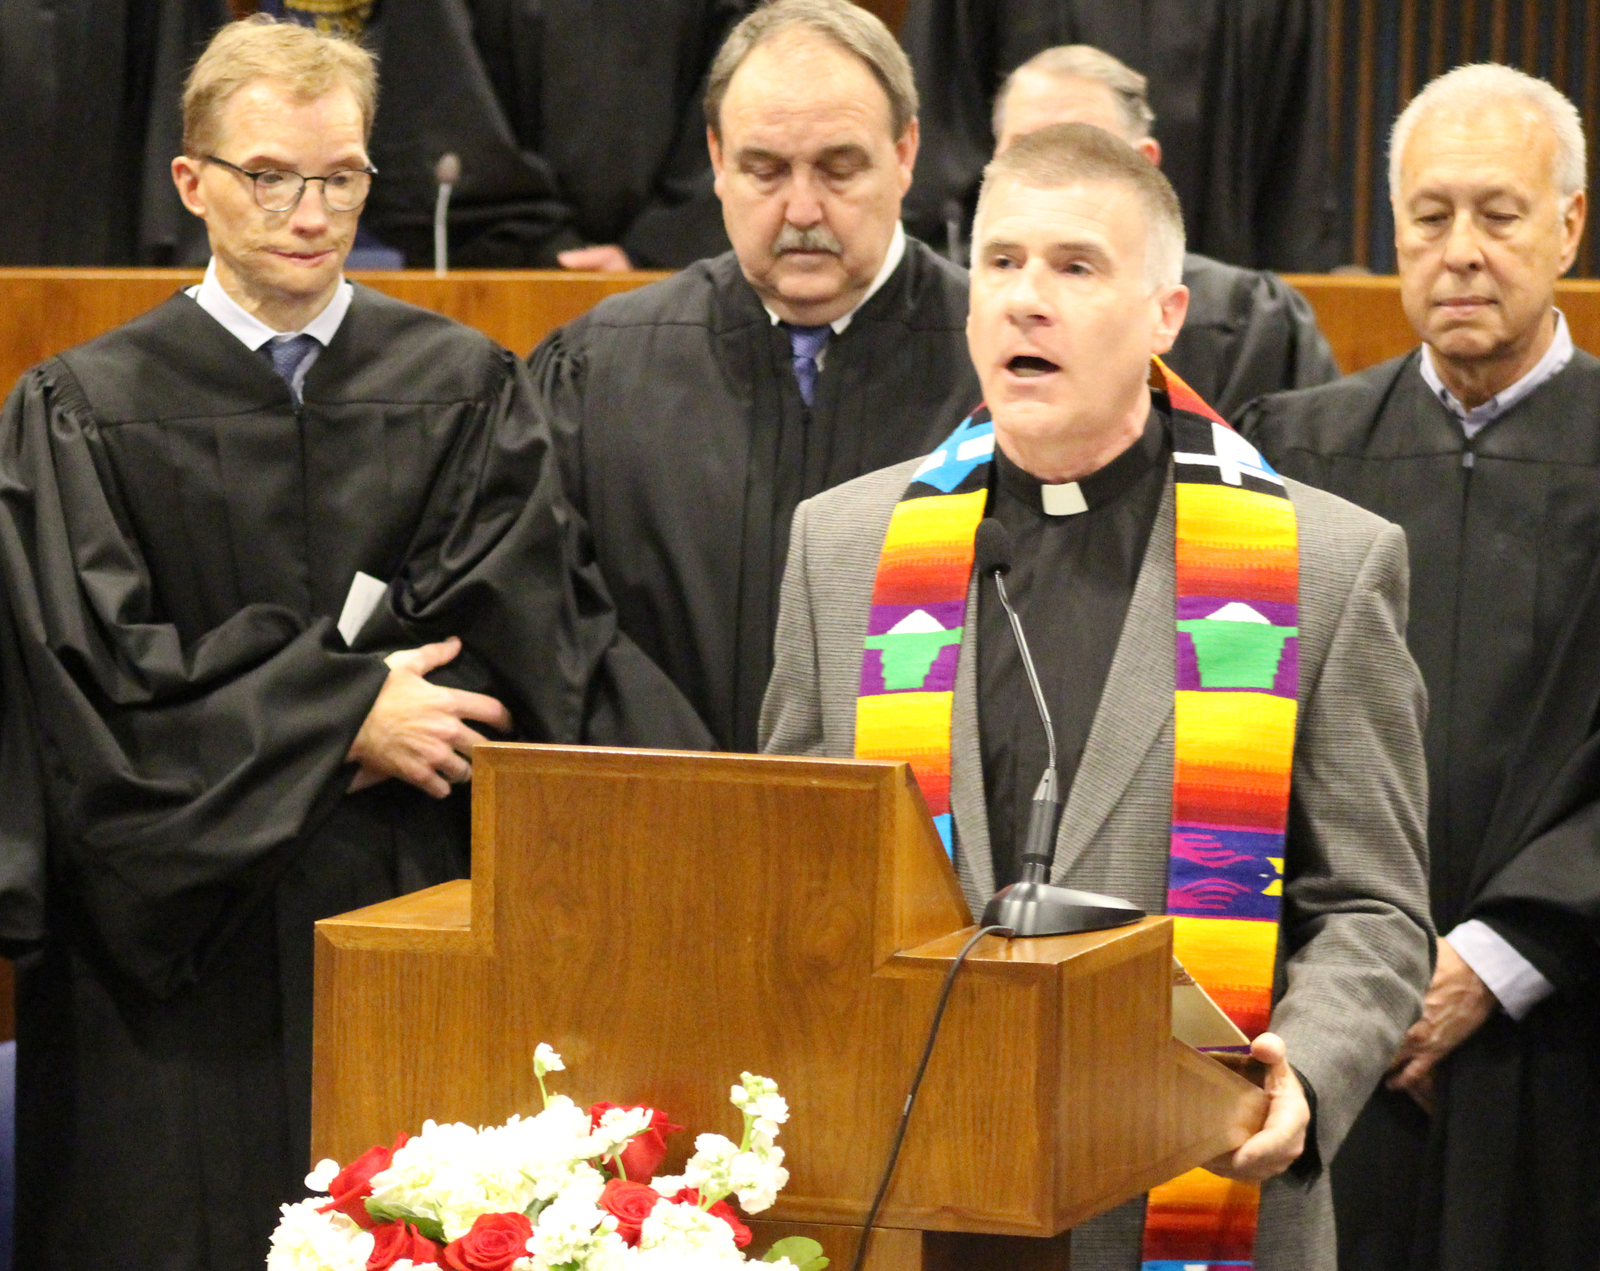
point(916, 1083)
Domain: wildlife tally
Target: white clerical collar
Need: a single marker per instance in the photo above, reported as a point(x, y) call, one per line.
point(250, 330)
point(1063, 500)
point(896, 253)
point(1478, 418)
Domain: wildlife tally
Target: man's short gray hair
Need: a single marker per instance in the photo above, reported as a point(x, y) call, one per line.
point(1469, 89)
point(1129, 89)
point(847, 25)
point(1065, 153)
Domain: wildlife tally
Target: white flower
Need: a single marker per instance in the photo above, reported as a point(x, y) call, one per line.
point(573, 1230)
point(688, 1229)
point(545, 1060)
point(321, 1178)
point(308, 1241)
point(617, 1126)
point(710, 1169)
point(758, 1177)
point(758, 1098)
point(669, 1184)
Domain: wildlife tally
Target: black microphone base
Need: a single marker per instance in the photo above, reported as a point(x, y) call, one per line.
point(1038, 909)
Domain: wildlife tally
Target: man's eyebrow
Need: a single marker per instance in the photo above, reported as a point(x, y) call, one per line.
point(266, 162)
point(1078, 247)
point(754, 154)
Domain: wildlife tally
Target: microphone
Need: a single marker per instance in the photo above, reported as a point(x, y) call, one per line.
point(446, 172)
point(953, 216)
point(1032, 907)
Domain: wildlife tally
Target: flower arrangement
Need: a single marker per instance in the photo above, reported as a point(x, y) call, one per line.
point(566, 1190)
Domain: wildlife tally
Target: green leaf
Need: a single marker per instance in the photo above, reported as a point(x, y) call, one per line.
point(804, 1252)
point(427, 1224)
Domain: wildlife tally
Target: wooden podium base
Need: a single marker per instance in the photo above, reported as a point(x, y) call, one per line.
point(896, 1249)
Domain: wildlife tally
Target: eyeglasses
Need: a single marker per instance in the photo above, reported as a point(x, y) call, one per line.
point(275, 191)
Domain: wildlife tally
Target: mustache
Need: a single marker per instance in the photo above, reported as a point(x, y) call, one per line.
point(815, 238)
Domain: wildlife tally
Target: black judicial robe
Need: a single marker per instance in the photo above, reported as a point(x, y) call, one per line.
point(687, 448)
point(576, 122)
point(177, 540)
point(1504, 534)
point(1238, 89)
point(1247, 333)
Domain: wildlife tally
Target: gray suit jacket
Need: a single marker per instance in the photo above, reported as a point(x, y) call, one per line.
point(1355, 946)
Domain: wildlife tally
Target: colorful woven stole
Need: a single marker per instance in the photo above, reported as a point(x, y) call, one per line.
point(1234, 716)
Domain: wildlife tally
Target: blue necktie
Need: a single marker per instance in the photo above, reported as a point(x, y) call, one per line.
point(287, 353)
point(805, 343)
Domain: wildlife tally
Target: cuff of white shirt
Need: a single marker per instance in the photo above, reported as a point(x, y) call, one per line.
point(1516, 982)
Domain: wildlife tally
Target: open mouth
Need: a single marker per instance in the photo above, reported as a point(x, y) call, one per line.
point(1028, 366)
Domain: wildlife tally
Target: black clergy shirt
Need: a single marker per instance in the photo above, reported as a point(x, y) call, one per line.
point(1071, 580)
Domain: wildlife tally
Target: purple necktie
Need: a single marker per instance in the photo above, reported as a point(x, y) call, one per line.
point(805, 343)
point(287, 354)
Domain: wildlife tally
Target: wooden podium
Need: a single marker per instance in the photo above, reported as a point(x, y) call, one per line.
point(667, 921)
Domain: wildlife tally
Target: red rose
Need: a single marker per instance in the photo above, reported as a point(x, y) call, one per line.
point(631, 1203)
point(353, 1184)
point(721, 1209)
point(396, 1240)
point(642, 1156)
point(493, 1244)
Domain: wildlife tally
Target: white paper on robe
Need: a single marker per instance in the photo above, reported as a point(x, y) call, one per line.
point(1197, 1020)
point(365, 593)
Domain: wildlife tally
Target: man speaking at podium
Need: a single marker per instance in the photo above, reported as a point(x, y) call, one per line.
point(1222, 653)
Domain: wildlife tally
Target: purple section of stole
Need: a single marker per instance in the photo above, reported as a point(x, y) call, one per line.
point(1220, 873)
point(949, 614)
point(941, 677)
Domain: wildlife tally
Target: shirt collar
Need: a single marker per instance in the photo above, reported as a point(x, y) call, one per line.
point(250, 330)
point(1473, 421)
point(1100, 488)
point(891, 261)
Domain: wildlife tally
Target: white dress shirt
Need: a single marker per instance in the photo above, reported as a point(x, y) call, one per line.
point(1517, 984)
point(253, 333)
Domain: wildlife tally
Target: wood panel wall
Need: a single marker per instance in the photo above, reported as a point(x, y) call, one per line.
point(45, 311)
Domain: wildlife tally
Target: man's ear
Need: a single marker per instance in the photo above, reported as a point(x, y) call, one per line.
point(905, 153)
point(1572, 217)
point(186, 176)
point(1174, 307)
point(714, 148)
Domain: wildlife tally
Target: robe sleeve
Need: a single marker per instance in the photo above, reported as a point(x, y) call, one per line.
point(178, 775)
point(1545, 900)
point(505, 562)
point(1277, 346)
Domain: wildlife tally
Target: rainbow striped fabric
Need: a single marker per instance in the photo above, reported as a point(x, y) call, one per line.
point(1236, 675)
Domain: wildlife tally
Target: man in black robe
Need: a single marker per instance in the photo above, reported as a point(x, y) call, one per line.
point(577, 124)
point(215, 522)
point(697, 413)
point(1248, 332)
point(1484, 445)
point(1238, 87)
